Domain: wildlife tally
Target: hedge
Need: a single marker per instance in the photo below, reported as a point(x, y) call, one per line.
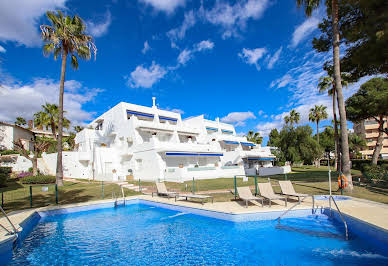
point(39, 179)
point(8, 152)
point(4, 175)
point(359, 164)
point(378, 173)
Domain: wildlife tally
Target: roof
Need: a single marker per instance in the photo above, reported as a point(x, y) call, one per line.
point(15, 126)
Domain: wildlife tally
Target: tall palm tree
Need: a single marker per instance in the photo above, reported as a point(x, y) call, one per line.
point(20, 121)
point(254, 137)
point(326, 83)
point(66, 37)
point(317, 114)
point(309, 6)
point(294, 117)
point(287, 120)
point(51, 111)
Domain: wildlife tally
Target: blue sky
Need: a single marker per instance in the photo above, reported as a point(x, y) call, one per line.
point(248, 62)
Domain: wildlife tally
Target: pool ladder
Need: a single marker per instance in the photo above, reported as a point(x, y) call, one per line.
point(116, 199)
point(15, 231)
point(331, 198)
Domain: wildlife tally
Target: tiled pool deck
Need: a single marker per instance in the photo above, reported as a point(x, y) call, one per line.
point(370, 213)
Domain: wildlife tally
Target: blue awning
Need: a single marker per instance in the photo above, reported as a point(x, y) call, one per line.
point(261, 159)
point(247, 144)
point(211, 129)
point(168, 118)
point(226, 131)
point(141, 114)
point(192, 154)
point(230, 142)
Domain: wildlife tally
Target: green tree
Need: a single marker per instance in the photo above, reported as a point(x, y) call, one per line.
point(65, 37)
point(371, 102)
point(254, 137)
point(363, 31)
point(298, 145)
point(317, 114)
point(274, 138)
point(48, 118)
point(78, 129)
point(20, 121)
point(327, 140)
point(356, 143)
point(332, 12)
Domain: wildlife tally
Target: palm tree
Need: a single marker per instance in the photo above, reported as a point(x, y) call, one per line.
point(66, 37)
point(20, 121)
point(295, 117)
point(78, 129)
point(317, 114)
point(309, 6)
point(326, 83)
point(254, 137)
point(287, 119)
point(41, 120)
point(49, 118)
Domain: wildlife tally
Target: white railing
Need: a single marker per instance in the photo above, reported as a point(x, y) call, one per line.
point(340, 214)
point(15, 231)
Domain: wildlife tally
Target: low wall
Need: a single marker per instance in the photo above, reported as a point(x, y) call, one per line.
point(72, 167)
point(276, 170)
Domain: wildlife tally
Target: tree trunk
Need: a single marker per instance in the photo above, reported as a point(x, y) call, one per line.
point(340, 98)
point(35, 164)
point(59, 174)
point(318, 131)
point(336, 138)
point(379, 142)
point(53, 130)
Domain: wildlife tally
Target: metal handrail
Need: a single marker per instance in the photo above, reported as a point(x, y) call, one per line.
point(123, 194)
point(15, 231)
point(293, 206)
point(341, 216)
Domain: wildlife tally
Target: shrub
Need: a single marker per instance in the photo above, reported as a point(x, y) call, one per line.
point(39, 179)
point(376, 173)
point(8, 152)
point(4, 175)
point(358, 163)
point(24, 174)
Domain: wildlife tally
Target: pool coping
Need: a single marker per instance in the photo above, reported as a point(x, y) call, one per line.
point(365, 229)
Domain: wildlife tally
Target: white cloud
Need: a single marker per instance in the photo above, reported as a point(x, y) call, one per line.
point(260, 112)
point(274, 58)
point(174, 110)
point(252, 56)
point(205, 45)
point(25, 100)
point(180, 32)
point(146, 48)
point(19, 20)
point(238, 118)
point(100, 28)
point(232, 18)
point(2, 49)
point(146, 77)
point(281, 82)
point(304, 30)
point(184, 56)
point(167, 6)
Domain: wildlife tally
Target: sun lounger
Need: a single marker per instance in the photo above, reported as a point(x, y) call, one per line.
point(266, 191)
point(195, 196)
point(245, 194)
point(161, 190)
point(288, 189)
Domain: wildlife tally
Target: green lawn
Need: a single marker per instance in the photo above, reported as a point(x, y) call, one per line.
point(16, 196)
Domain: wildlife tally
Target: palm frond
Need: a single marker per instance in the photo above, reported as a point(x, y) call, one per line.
point(74, 62)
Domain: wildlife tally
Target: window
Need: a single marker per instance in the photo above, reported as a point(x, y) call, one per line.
point(99, 125)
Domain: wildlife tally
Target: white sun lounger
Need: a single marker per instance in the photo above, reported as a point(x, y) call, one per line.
point(245, 194)
point(161, 190)
point(266, 191)
point(288, 189)
point(195, 196)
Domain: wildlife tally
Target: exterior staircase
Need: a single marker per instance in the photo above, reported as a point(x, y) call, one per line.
point(133, 187)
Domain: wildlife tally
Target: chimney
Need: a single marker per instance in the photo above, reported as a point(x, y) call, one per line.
point(153, 102)
point(30, 124)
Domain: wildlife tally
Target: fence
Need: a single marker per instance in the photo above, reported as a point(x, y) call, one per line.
point(33, 196)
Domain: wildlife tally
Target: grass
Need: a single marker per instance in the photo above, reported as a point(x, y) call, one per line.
point(16, 196)
point(306, 179)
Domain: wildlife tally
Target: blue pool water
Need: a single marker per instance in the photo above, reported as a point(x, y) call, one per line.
point(141, 235)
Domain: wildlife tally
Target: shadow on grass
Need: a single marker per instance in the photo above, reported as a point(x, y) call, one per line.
point(11, 184)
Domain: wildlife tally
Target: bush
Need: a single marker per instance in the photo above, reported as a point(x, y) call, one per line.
point(376, 173)
point(4, 175)
point(8, 152)
point(359, 163)
point(39, 179)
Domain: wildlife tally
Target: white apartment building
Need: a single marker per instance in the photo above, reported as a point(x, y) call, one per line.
point(148, 143)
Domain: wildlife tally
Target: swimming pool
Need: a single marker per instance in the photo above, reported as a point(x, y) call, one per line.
point(142, 234)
